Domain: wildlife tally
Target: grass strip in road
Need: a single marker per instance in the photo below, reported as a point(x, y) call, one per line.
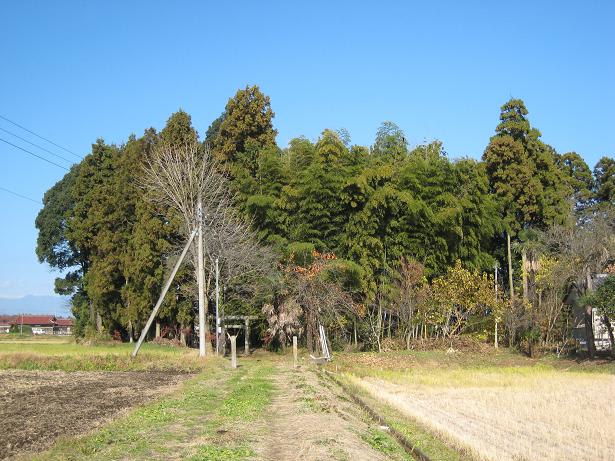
point(199, 422)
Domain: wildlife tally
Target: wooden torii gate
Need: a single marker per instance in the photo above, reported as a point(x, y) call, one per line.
point(245, 327)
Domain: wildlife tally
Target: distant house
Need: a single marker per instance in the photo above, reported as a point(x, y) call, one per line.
point(5, 322)
point(40, 324)
point(601, 334)
point(63, 327)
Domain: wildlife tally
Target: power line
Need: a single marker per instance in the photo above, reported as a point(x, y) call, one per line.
point(41, 137)
point(38, 202)
point(33, 154)
point(36, 145)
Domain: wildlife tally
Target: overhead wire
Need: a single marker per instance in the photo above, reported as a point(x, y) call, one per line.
point(36, 145)
point(17, 194)
point(33, 154)
point(41, 137)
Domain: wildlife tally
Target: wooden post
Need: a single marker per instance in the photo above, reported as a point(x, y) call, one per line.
point(157, 329)
point(201, 281)
point(162, 295)
point(295, 351)
point(233, 351)
point(247, 337)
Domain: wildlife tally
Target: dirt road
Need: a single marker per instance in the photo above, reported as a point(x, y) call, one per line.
point(310, 418)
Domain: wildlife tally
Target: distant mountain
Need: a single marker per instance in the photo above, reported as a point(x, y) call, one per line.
point(32, 304)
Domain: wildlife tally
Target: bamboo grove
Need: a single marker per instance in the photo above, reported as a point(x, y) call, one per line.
point(383, 244)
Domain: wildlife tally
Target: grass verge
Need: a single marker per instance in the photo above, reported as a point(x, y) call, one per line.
point(202, 421)
point(66, 355)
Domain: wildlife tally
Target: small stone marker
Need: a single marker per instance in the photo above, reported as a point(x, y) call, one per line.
point(295, 351)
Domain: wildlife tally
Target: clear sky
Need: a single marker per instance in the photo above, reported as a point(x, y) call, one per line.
point(76, 71)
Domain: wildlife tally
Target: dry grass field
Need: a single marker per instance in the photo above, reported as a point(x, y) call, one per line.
point(501, 407)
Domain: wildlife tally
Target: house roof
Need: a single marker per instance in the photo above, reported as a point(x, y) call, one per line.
point(7, 319)
point(64, 322)
point(35, 320)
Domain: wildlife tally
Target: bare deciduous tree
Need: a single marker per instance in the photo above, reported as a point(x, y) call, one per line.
point(178, 178)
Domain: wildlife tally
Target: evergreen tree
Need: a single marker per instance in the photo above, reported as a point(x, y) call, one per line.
point(604, 174)
point(247, 122)
point(531, 189)
point(579, 178)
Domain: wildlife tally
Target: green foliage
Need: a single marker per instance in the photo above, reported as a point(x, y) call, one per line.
point(300, 253)
point(579, 177)
point(20, 329)
point(390, 142)
point(523, 174)
point(604, 173)
point(372, 207)
point(603, 298)
point(247, 122)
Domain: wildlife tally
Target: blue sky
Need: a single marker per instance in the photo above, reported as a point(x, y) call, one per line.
point(76, 71)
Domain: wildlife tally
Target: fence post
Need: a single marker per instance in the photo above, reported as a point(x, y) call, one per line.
point(295, 351)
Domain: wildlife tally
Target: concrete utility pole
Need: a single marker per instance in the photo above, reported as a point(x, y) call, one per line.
point(217, 310)
point(200, 280)
point(162, 295)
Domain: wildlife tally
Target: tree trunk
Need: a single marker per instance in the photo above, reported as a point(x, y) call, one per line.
point(524, 274)
point(510, 270)
point(92, 314)
point(589, 332)
point(99, 325)
point(589, 323)
point(182, 334)
point(379, 324)
point(607, 323)
point(531, 281)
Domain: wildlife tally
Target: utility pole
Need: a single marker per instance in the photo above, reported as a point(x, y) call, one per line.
point(200, 280)
point(217, 311)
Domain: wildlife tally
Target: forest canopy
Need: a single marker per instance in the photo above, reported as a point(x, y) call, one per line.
point(402, 239)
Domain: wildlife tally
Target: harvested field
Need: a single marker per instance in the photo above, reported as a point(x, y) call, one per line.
point(508, 414)
point(37, 407)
